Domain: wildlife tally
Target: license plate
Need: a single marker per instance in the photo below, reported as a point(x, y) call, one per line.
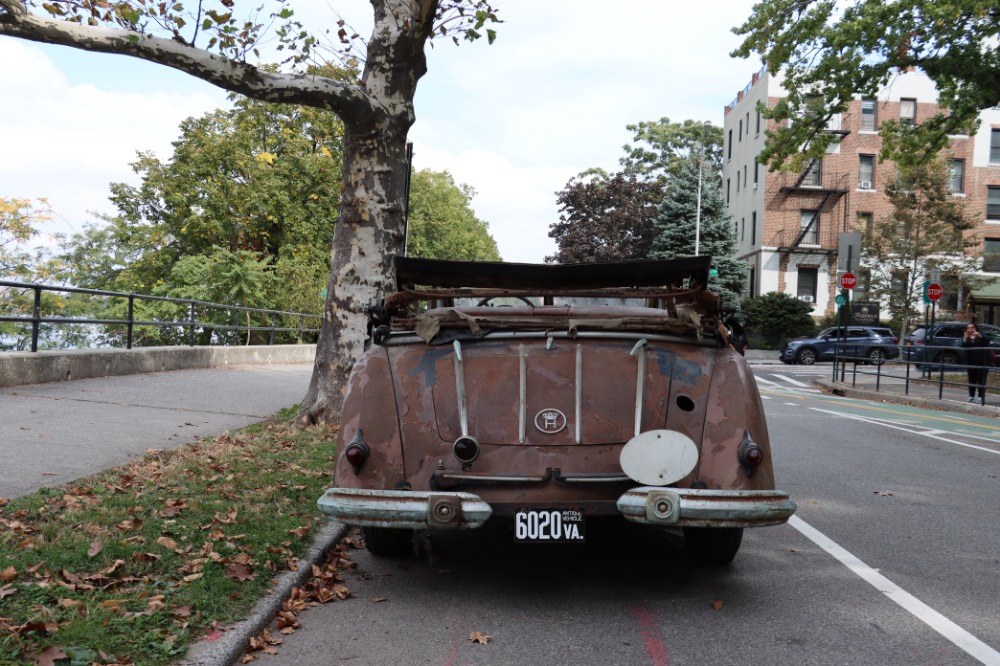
point(548, 525)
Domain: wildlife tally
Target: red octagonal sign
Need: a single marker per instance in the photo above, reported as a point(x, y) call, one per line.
point(934, 291)
point(848, 281)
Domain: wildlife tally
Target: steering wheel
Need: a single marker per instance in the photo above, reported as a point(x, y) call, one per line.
point(486, 301)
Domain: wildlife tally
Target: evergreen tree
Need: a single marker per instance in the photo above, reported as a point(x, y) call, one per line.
point(674, 229)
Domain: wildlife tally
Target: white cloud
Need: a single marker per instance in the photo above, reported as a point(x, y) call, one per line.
point(515, 120)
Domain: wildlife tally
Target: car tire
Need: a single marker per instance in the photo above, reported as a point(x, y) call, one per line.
point(714, 546)
point(876, 356)
point(947, 358)
point(806, 356)
point(387, 542)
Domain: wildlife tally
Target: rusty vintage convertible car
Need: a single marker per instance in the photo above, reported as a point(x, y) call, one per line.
point(550, 396)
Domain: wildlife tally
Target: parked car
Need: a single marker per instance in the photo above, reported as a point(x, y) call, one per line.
point(943, 344)
point(593, 391)
point(873, 344)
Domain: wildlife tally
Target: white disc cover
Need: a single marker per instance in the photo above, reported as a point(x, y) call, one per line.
point(659, 457)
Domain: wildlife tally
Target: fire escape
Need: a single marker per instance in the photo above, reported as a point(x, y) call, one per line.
point(819, 191)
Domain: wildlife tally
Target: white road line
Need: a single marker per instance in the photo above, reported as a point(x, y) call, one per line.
point(792, 404)
point(964, 640)
point(929, 434)
point(763, 380)
point(793, 382)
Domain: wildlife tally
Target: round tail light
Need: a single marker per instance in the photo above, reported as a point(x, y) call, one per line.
point(466, 449)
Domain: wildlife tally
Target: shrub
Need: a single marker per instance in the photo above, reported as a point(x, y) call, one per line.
point(776, 316)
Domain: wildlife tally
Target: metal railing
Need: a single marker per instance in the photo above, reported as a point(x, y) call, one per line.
point(930, 367)
point(194, 320)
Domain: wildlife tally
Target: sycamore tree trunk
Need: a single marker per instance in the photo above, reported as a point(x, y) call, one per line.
point(370, 228)
point(371, 216)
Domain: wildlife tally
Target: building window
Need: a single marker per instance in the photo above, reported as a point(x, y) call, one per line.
point(737, 181)
point(753, 228)
point(907, 112)
point(807, 284)
point(809, 227)
point(740, 135)
point(995, 146)
point(866, 172)
point(727, 190)
point(743, 229)
point(956, 175)
point(901, 232)
point(993, 203)
point(812, 175)
point(758, 121)
point(729, 150)
point(991, 255)
point(869, 117)
point(866, 224)
point(756, 166)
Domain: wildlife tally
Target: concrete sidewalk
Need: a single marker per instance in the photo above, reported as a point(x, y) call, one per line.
point(62, 431)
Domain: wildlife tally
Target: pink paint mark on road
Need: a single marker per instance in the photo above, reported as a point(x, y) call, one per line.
point(652, 637)
point(454, 645)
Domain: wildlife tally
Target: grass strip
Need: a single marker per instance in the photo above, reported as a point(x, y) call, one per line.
point(134, 564)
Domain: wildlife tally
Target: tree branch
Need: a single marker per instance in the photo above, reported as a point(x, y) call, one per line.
point(348, 100)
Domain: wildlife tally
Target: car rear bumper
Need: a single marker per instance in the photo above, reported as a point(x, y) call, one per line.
point(666, 507)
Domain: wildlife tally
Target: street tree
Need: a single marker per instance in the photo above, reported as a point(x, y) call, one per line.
point(604, 218)
point(442, 224)
point(676, 227)
point(831, 52)
point(211, 41)
point(926, 228)
point(661, 147)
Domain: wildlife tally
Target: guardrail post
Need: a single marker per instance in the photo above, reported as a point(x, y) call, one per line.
point(302, 324)
point(36, 319)
point(191, 325)
point(131, 318)
point(270, 339)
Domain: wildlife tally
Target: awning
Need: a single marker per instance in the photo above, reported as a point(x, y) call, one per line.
point(988, 293)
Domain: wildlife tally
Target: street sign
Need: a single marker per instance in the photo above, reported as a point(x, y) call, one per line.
point(934, 291)
point(839, 299)
point(848, 281)
point(865, 313)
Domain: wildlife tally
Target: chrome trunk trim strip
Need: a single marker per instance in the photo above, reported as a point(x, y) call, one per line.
point(463, 415)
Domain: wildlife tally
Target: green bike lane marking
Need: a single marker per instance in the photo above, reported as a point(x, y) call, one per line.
point(890, 414)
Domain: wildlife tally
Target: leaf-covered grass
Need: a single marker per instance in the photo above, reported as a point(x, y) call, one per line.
point(133, 565)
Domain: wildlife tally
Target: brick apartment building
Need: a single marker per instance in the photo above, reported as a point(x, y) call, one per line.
point(788, 224)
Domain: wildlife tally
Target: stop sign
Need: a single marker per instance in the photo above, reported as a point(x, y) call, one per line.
point(848, 281)
point(934, 291)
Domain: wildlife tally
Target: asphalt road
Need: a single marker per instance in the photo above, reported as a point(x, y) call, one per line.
point(56, 433)
point(893, 559)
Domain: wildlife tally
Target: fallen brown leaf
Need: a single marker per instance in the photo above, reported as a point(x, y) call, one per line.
point(718, 604)
point(95, 547)
point(477, 637)
point(8, 575)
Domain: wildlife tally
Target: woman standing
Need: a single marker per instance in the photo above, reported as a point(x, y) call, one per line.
point(977, 357)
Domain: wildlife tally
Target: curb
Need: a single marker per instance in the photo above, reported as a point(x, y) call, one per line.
point(946, 405)
point(232, 644)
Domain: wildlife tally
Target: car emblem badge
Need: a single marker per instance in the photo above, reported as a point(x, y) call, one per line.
point(550, 421)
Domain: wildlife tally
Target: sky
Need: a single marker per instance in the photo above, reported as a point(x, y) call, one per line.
point(516, 120)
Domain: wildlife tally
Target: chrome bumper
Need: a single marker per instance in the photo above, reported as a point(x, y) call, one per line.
point(664, 507)
point(404, 509)
point(692, 507)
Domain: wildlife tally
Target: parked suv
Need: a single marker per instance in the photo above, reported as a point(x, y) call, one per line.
point(867, 343)
point(943, 346)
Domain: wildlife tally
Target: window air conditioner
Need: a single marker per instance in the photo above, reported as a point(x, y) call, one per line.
point(865, 185)
point(806, 298)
